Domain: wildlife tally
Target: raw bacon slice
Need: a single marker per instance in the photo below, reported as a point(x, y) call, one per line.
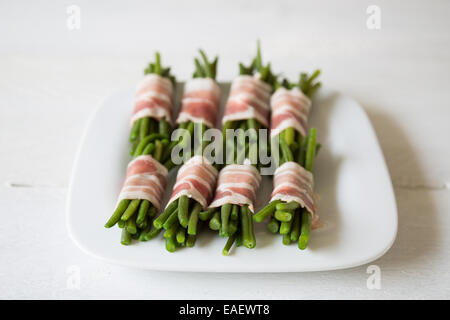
point(292, 182)
point(290, 109)
point(195, 179)
point(249, 99)
point(237, 184)
point(146, 179)
point(201, 101)
point(153, 98)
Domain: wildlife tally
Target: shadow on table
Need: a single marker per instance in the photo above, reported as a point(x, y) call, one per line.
point(418, 232)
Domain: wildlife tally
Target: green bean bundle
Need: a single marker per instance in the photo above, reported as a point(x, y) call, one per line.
point(140, 197)
point(246, 112)
point(151, 126)
point(292, 219)
point(200, 104)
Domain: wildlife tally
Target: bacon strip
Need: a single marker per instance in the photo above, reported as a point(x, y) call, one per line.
point(292, 182)
point(201, 101)
point(249, 98)
point(153, 98)
point(237, 184)
point(195, 179)
point(290, 109)
point(146, 179)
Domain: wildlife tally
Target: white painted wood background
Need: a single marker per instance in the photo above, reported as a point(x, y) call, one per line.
point(51, 78)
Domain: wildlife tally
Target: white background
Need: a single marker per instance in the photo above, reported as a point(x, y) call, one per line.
point(51, 78)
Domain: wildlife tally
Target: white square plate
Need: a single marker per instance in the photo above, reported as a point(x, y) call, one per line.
point(356, 201)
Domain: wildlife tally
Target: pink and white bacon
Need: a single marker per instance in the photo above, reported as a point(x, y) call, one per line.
point(292, 182)
point(154, 98)
point(146, 179)
point(201, 101)
point(249, 98)
point(237, 184)
point(195, 179)
point(290, 109)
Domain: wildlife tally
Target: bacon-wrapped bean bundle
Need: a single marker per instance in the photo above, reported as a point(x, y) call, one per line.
point(196, 178)
point(246, 111)
point(292, 206)
point(141, 194)
point(152, 116)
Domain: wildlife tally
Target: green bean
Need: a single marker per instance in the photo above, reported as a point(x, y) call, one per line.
point(214, 223)
point(171, 220)
point(285, 227)
point(302, 151)
point(225, 211)
point(258, 62)
point(266, 211)
point(135, 130)
point(214, 67)
point(157, 63)
point(207, 66)
point(206, 215)
point(286, 239)
point(238, 239)
point(132, 207)
point(152, 125)
point(285, 151)
point(295, 228)
point(190, 241)
point(148, 149)
point(143, 224)
point(158, 150)
point(246, 238)
point(181, 235)
point(164, 127)
point(158, 222)
point(235, 212)
point(152, 211)
point(228, 245)
point(289, 135)
point(143, 142)
point(121, 224)
point(199, 69)
point(273, 226)
point(183, 206)
point(193, 219)
point(135, 236)
point(125, 238)
point(171, 231)
point(283, 206)
point(144, 232)
point(152, 233)
point(233, 227)
point(171, 246)
point(252, 242)
point(310, 151)
point(305, 230)
point(283, 216)
point(121, 207)
point(169, 164)
point(143, 129)
point(130, 225)
point(143, 210)
point(133, 147)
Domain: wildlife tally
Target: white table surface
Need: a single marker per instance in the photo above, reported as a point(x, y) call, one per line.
point(51, 78)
